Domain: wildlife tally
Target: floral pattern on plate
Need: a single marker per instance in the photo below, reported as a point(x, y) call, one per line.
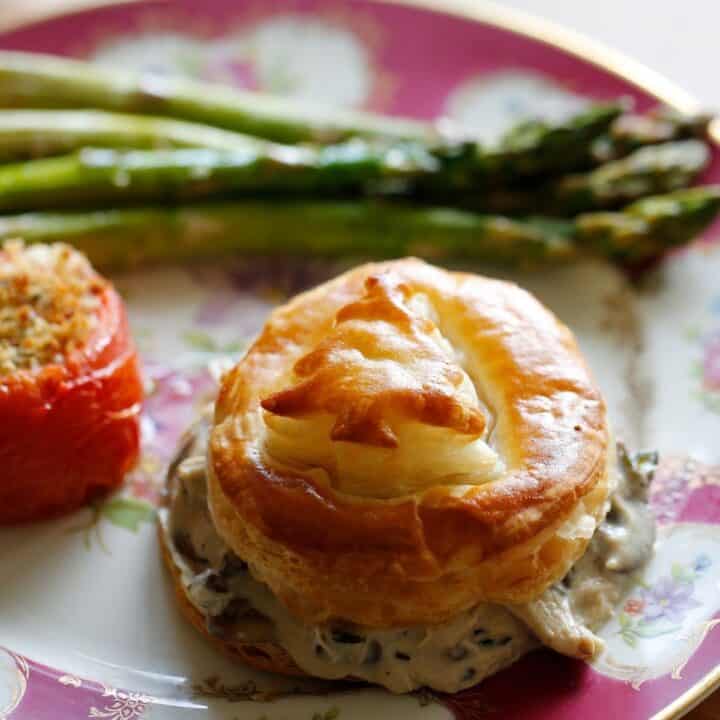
point(121, 705)
point(289, 54)
point(661, 609)
point(491, 104)
point(707, 368)
point(681, 347)
point(667, 614)
point(163, 53)
point(297, 56)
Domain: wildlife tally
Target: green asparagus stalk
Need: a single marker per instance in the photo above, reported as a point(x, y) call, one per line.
point(538, 147)
point(103, 177)
point(650, 226)
point(529, 150)
point(28, 80)
point(631, 131)
point(95, 177)
point(28, 134)
point(130, 237)
point(41, 81)
point(652, 170)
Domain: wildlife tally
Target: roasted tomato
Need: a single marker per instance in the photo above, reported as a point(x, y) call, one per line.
point(70, 386)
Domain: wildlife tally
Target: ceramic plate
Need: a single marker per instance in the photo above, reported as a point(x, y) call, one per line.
point(87, 619)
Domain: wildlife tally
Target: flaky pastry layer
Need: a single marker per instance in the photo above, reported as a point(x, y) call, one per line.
point(403, 442)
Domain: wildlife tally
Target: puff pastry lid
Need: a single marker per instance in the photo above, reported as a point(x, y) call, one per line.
point(404, 442)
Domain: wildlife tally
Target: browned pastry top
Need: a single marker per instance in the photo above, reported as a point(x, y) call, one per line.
point(404, 442)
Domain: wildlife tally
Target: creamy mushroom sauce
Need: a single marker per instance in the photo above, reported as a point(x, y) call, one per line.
point(447, 657)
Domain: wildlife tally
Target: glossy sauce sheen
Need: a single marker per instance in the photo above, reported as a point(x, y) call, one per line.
point(448, 657)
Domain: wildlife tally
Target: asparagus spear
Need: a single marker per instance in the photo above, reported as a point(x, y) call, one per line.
point(28, 80)
point(655, 169)
point(538, 147)
point(631, 131)
point(129, 237)
point(531, 149)
point(96, 177)
point(647, 227)
point(648, 171)
point(42, 81)
point(38, 133)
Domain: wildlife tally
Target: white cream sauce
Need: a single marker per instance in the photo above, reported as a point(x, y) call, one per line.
point(447, 657)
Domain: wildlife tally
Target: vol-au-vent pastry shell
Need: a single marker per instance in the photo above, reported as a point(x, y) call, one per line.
point(404, 442)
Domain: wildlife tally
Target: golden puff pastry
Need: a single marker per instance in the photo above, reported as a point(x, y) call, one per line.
point(403, 443)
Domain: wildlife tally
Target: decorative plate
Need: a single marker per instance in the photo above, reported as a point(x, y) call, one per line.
point(88, 625)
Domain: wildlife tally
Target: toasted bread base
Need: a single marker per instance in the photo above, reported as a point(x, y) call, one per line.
point(268, 656)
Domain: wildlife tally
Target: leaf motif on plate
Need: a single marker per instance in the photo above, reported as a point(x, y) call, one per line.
point(70, 681)
point(129, 513)
point(123, 706)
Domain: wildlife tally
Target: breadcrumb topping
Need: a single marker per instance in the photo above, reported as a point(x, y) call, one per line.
point(49, 301)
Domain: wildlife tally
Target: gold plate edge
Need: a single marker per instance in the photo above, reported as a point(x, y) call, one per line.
point(691, 698)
